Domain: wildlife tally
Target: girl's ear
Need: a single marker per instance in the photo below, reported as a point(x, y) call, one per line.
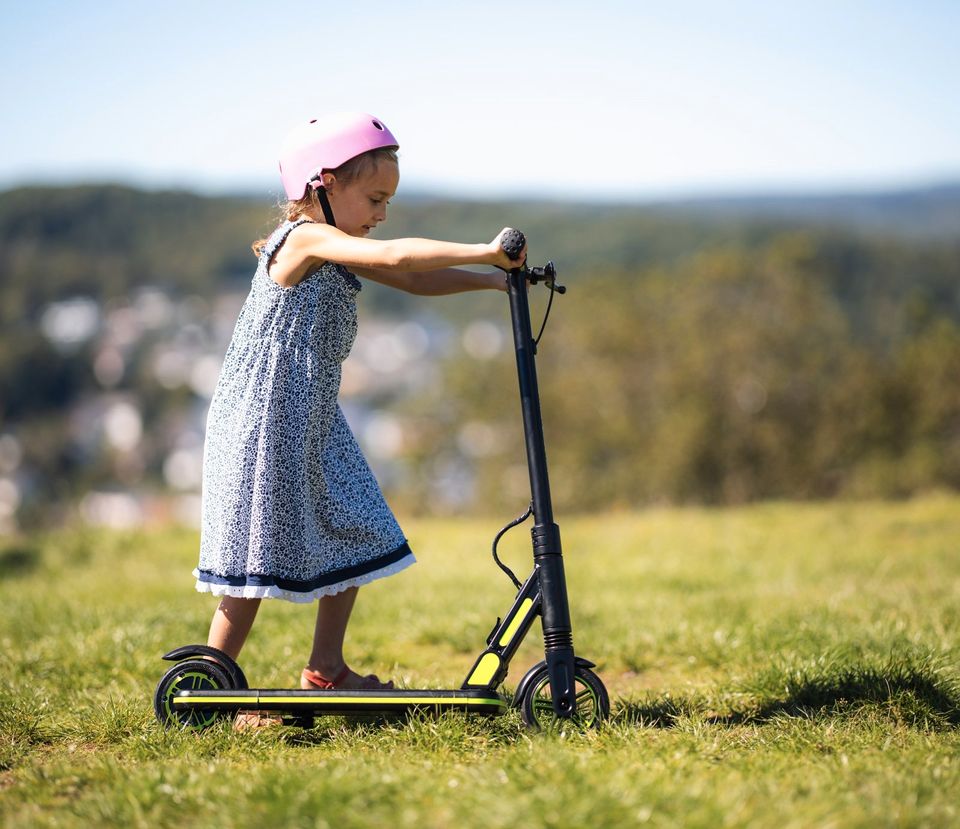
point(329, 181)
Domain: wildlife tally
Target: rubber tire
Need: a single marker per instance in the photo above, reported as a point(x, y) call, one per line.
point(200, 674)
point(536, 704)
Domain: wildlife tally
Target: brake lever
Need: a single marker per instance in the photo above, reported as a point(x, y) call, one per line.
point(512, 243)
point(548, 275)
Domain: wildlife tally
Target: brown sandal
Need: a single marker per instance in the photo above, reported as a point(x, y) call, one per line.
point(371, 682)
point(246, 720)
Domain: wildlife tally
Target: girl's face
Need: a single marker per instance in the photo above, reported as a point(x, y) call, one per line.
point(361, 205)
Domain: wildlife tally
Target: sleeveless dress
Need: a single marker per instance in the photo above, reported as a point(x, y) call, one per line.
point(290, 508)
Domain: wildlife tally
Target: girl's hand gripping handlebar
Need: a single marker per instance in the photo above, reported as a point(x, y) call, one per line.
point(514, 245)
point(511, 249)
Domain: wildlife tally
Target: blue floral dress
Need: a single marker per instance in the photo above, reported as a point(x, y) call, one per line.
point(290, 508)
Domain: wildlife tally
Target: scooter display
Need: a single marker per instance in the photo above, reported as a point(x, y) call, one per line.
point(206, 683)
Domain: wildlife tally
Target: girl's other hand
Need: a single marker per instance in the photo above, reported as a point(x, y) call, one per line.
point(501, 260)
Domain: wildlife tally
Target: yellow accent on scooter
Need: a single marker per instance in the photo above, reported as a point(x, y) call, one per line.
point(516, 621)
point(486, 669)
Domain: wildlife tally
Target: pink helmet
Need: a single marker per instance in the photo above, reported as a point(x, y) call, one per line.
point(326, 143)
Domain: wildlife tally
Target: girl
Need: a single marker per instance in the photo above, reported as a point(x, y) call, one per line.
point(290, 507)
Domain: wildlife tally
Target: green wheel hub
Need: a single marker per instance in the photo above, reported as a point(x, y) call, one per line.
point(593, 704)
point(189, 675)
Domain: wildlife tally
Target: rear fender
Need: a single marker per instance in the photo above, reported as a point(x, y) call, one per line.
point(224, 660)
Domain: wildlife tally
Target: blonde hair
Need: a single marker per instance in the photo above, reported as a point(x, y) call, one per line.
point(309, 203)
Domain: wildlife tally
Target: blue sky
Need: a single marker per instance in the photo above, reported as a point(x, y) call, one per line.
point(602, 99)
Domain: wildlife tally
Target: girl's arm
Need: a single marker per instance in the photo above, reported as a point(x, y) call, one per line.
point(312, 244)
point(436, 282)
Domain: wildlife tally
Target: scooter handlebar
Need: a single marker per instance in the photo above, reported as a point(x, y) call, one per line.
point(511, 243)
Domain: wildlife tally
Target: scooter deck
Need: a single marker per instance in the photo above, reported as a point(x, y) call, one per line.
point(477, 701)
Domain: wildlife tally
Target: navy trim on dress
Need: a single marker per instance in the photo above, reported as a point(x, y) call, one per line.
point(306, 586)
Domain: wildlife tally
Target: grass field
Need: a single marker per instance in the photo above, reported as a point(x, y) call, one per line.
point(778, 665)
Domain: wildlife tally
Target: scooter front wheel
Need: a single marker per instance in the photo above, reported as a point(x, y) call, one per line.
point(189, 675)
point(536, 704)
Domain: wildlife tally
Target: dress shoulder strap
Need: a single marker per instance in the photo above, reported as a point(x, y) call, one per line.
point(277, 238)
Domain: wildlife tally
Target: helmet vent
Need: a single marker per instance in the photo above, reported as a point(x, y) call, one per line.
point(378, 125)
point(313, 120)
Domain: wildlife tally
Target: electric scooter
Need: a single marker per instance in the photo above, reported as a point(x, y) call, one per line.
point(207, 683)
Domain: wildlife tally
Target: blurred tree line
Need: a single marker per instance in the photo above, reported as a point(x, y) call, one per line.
point(702, 354)
point(738, 374)
point(713, 354)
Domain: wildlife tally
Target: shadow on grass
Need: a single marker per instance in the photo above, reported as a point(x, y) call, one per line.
point(915, 696)
point(18, 561)
point(903, 693)
point(329, 729)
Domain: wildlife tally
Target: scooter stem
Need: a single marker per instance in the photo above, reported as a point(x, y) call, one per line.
point(547, 551)
point(530, 399)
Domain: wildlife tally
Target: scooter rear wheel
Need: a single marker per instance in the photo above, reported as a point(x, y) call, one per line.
point(593, 703)
point(189, 675)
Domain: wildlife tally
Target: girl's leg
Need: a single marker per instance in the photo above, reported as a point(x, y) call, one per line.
point(231, 624)
point(333, 613)
point(228, 631)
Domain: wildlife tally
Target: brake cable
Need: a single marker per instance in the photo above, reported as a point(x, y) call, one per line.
point(548, 275)
point(496, 541)
point(546, 316)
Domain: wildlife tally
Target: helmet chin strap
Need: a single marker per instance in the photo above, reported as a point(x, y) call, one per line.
point(317, 184)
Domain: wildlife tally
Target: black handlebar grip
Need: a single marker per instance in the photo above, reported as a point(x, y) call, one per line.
point(512, 243)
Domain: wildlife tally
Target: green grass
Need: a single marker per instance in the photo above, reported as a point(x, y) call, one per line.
point(777, 665)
